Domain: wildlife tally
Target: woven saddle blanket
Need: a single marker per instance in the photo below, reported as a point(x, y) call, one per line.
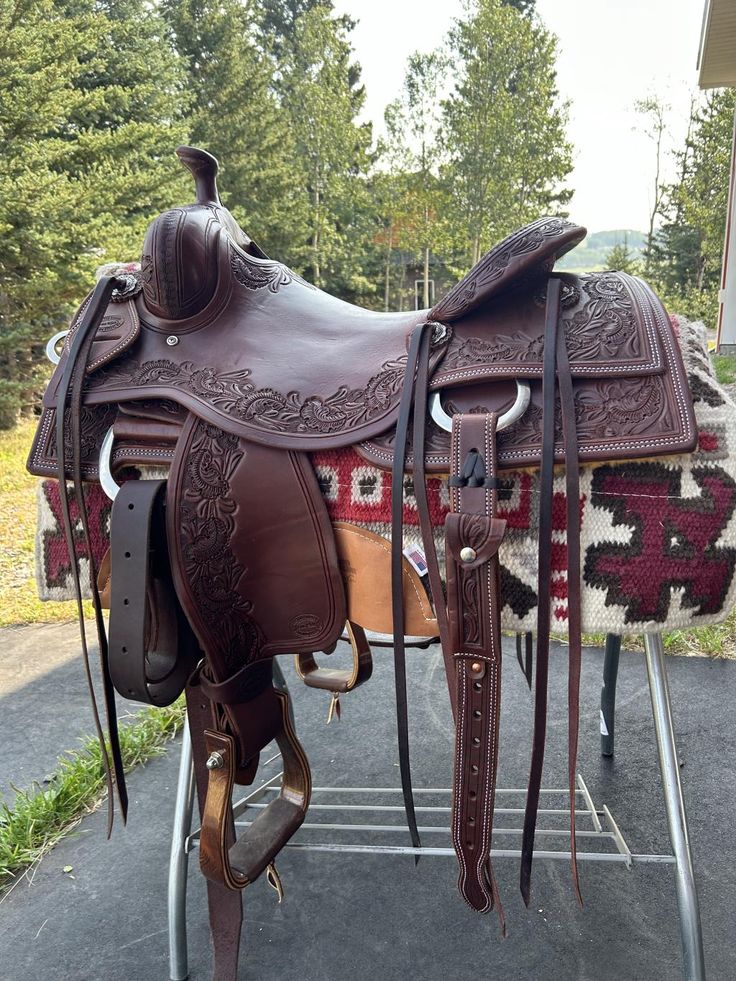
point(658, 537)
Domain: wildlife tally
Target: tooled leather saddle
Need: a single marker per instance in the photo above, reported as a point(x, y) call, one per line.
point(229, 369)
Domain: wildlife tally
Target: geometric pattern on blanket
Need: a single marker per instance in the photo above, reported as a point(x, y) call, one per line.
point(658, 538)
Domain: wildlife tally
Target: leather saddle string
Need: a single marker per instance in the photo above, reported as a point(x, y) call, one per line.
point(525, 658)
point(546, 480)
point(419, 347)
point(72, 382)
point(574, 625)
point(425, 524)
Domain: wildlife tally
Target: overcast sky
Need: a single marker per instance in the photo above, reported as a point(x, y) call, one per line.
point(611, 53)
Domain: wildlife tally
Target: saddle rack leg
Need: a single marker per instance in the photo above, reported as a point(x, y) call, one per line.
point(608, 693)
point(691, 930)
point(179, 863)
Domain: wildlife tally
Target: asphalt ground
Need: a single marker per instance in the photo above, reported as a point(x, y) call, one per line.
point(378, 916)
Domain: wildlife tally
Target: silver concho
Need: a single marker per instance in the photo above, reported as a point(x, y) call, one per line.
point(132, 287)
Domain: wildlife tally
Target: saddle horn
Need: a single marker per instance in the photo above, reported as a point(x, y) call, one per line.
point(179, 264)
point(204, 168)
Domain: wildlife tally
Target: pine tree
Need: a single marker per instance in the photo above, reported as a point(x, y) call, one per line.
point(504, 124)
point(319, 88)
point(123, 133)
point(702, 197)
point(91, 104)
point(622, 259)
point(38, 201)
point(687, 249)
point(413, 148)
point(236, 115)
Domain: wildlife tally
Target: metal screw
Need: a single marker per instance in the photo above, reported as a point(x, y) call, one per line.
point(172, 340)
point(215, 761)
point(476, 667)
point(468, 554)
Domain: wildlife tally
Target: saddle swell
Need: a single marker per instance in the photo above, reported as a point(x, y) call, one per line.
point(228, 368)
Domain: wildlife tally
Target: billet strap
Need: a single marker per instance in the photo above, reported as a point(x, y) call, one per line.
point(149, 658)
point(473, 534)
point(555, 366)
point(239, 863)
point(574, 599)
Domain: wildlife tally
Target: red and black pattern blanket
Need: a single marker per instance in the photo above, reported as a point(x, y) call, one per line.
point(658, 537)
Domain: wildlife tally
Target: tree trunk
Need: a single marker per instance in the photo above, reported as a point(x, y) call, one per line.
point(425, 296)
point(475, 255)
point(387, 283)
point(315, 242)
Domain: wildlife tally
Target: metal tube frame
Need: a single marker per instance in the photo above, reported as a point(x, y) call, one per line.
point(608, 693)
point(179, 862)
point(691, 931)
point(604, 827)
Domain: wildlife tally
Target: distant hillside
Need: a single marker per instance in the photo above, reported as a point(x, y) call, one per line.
point(592, 251)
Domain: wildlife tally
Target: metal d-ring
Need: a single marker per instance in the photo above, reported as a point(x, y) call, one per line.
point(107, 482)
point(508, 418)
point(51, 353)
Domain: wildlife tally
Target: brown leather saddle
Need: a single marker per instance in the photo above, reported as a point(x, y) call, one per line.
point(228, 368)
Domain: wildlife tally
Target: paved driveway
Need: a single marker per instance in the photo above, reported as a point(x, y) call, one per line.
point(367, 917)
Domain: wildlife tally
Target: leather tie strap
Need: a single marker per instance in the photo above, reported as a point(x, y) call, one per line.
point(70, 391)
point(526, 658)
point(574, 612)
point(555, 364)
point(417, 364)
point(473, 534)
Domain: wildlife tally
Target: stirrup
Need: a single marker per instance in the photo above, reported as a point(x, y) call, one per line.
point(338, 681)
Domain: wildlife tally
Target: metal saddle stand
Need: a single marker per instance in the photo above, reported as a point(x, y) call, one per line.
point(603, 831)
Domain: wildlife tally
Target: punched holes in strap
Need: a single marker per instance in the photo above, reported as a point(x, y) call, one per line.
point(149, 661)
point(473, 534)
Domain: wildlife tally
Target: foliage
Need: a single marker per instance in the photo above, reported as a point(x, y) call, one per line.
point(504, 124)
point(523, 6)
point(87, 101)
point(702, 197)
point(623, 259)
point(419, 207)
point(725, 368)
point(236, 115)
point(686, 254)
point(319, 88)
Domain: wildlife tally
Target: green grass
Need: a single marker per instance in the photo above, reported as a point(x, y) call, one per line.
point(725, 368)
point(715, 641)
point(37, 819)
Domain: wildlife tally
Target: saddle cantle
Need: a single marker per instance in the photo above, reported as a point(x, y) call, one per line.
point(228, 368)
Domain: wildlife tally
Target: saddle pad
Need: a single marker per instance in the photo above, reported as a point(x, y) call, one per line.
point(658, 537)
